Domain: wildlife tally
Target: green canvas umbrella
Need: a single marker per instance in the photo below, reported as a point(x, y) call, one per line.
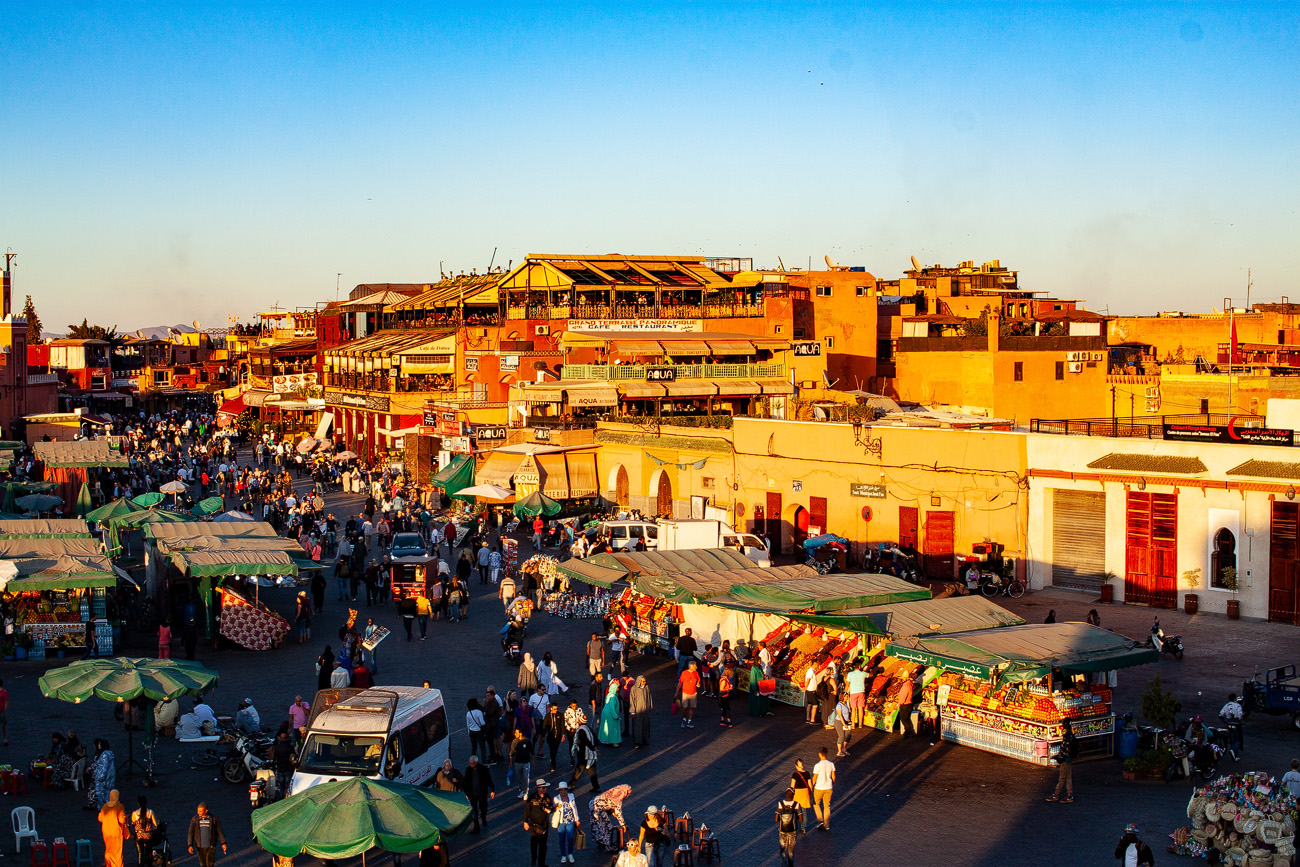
point(11, 502)
point(208, 506)
point(116, 508)
point(537, 503)
point(345, 818)
point(148, 500)
point(38, 502)
point(124, 678)
point(83, 505)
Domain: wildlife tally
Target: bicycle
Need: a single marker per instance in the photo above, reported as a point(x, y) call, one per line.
point(995, 585)
point(206, 758)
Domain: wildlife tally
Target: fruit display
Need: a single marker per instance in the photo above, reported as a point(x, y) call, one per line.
point(646, 619)
point(795, 648)
point(1025, 709)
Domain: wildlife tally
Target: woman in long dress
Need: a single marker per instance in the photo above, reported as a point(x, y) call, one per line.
point(607, 814)
point(611, 717)
point(759, 705)
point(105, 775)
point(112, 823)
point(548, 675)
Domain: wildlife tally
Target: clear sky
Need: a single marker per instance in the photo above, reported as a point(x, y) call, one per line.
point(188, 161)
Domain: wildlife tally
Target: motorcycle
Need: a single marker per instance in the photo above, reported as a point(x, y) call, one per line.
point(1161, 643)
point(245, 759)
point(1202, 759)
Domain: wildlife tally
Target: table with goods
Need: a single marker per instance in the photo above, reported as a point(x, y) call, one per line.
point(797, 647)
point(1249, 819)
point(56, 619)
point(646, 620)
point(1022, 720)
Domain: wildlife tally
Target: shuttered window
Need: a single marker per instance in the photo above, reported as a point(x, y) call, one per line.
point(1078, 539)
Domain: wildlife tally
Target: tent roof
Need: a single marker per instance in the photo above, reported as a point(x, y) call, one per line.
point(198, 564)
point(19, 548)
point(937, 616)
point(79, 453)
point(177, 533)
point(456, 475)
point(591, 573)
point(1026, 652)
point(45, 528)
point(820, 593)
point(670, 562)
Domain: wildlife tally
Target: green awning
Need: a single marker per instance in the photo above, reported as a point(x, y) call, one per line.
point(821, 593)
point(1019, 653)
point(844, 623)
point(591, 573)
point(62, 582)
point(211, 564)
point(456, 475)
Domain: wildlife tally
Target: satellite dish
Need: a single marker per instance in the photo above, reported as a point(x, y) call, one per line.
point(830, 263)
point(915, 264)
point(196, 325)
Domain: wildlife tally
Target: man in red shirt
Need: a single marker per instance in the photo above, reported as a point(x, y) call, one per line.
point(688, 690)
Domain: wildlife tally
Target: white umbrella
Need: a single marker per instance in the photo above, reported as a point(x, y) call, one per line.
point(233, 515)
point(174, 488)
point(8, 572)
point(346, 456)
point(487, 492)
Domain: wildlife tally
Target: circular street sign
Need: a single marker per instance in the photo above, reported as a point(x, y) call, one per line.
point(866, 513)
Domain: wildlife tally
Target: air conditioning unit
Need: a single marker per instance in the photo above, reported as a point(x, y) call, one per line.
point(543, 330)
point(1076, 367)
point(1099, 356)
point(1071, 356)
point(1153, 392)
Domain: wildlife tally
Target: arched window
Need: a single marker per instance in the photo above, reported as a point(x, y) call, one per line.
point(1223, 556)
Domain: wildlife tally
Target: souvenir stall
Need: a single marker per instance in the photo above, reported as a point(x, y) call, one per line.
point(56, 589)
point(1249, 819)
point(1012, 691)
point(68, 464)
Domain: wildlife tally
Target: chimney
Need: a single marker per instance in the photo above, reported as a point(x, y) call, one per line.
point(994, 321)
point(6, 284)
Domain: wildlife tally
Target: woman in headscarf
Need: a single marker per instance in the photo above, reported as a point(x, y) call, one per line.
point(113, 825)
point(611, 717)
point(324, 667)
point(548, 675)
point(606, 815)
point(527, 682)
point(759, 705)
point(104, 770)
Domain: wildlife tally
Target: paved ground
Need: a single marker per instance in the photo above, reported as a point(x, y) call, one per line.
point(924, 802)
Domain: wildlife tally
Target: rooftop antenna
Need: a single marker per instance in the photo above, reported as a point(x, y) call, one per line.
point(779, 263)
point(916, 265)
point(442, 274)
point(1247, 290)
point(338, 278)
point(493, 260)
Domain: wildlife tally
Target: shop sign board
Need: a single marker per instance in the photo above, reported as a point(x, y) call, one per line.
point(490, 432)
point(809, 347)
point(375, 402)
point(510, 362)
point(1229, 433)
point(542, 434)
point(685, 326)
point(471, 362)
point(457, 445)
point(661, 374)
point(875, 492)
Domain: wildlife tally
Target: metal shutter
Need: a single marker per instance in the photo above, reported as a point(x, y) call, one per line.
point(1078, 539)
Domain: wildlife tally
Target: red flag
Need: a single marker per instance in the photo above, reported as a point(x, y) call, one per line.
point(1232, 354)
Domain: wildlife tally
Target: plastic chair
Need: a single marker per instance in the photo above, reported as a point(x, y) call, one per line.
point(15, 784)
point(76, 776)
point(685, 830)
point(709, 849)
point(83, 855)
point(59, 856)
point(684, 856)
point(24, 822)
point(40, 854)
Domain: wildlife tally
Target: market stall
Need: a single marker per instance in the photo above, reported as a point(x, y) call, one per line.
point(56, 591)
point(1011, 691)
point(67, 463)
point(1247, 818)
point(45, 528)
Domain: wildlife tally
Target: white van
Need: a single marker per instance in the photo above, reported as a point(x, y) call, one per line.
point(623, 535)
point(392, 732)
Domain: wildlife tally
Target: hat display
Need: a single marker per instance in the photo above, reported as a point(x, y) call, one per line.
point(1212, 811)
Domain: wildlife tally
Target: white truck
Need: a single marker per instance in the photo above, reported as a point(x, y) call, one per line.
point(682, 535)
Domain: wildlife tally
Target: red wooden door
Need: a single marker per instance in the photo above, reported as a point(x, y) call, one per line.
point(1283, 553)
point(1151, 542)
point(908, 517)
point(817, 513)
point(774, 522)
point(939, 527)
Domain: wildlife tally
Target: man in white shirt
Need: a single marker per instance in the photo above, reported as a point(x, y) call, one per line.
point(188, 728)
point(204, 712)
point(247, 719)
point(823, 783)
point(1232, 716)
point(539, 701)
point(339, 677)
point(1291, 779)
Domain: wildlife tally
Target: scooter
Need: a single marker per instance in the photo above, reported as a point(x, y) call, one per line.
point(1202, 760)
point(160, 849)
point(244, 760)
point(1171, 644)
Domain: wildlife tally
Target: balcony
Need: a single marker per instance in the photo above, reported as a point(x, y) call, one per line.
point(609, 372)
point(382, 383)
point(635, 311)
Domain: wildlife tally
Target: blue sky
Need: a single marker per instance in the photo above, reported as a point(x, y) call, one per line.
point(179, 161)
